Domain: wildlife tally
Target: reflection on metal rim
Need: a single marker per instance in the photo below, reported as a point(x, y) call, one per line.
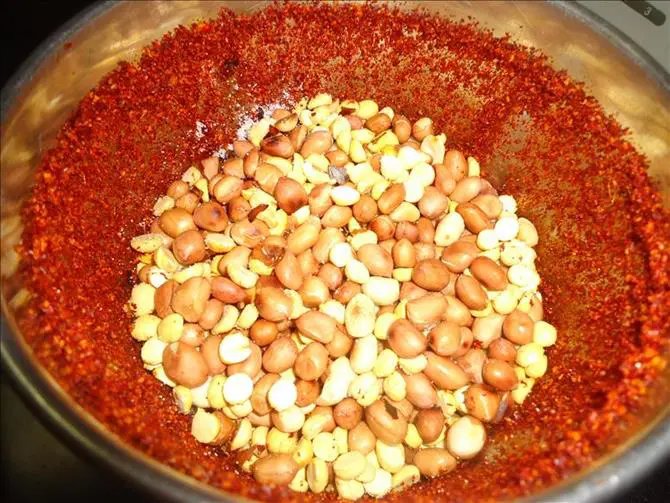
point(86, 436)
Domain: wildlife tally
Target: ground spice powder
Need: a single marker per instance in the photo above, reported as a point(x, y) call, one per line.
point(605, 237)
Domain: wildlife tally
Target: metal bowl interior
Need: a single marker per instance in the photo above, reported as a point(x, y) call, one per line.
point(50, 85)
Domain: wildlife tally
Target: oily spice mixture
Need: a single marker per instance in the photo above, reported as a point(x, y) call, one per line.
point(604, 236)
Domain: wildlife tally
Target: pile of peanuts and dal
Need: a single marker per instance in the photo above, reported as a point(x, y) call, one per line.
point(342, 301)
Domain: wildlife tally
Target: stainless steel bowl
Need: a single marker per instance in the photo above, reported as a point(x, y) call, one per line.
point(48, 86)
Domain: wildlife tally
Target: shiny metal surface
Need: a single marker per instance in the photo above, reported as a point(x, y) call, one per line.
point(50, 84)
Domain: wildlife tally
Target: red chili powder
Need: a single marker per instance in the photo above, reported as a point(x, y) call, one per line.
point(604, 235)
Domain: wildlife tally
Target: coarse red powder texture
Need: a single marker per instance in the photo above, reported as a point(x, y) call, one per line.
point(604, 235)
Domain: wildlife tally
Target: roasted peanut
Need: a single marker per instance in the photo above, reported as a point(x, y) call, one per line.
point(472, 363)
point(434, 461)
point(405, 340)
point(427, 310)
point(280, 355)
point(385, 422)
point(457, 312)
point(487, 329)
point(489, 274)
point(361, 438)
point(273, 304)
point(475, 219)
point(190, 298)
point(175, 221)
point(518, 327)
point(481, 402)
point(444, 373)
point(470, 292)
point(259, 396)
point(263, 332)
point(288, 271)
point(347, 414)
point(431, 274)
point(311, 362)
point(184, 365)
point(226, 291)
point(456, 164)
point(276, 469)
point(429, 424)
point(445, 338)
point(308, 392)
point(500, 375)
point(459, 255)
point(378, 261)
point(420, 392)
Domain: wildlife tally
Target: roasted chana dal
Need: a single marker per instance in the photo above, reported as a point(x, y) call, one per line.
point(342, 299)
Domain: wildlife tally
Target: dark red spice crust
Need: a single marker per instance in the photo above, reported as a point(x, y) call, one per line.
point(605, 267)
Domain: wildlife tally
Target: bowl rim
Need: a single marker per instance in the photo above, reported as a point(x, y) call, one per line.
point(86, 436)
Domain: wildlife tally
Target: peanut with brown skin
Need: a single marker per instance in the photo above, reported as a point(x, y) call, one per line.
point(278, 146)
point(280, 355)
point(445, 338)
point(434, 461)
point(317, 326)
point(212, 314)
point(431, 274)
point(377, 260)
point(189, 247)
point(288, 271)
point(238, 209)
point(459, 255)
point(420, 391)
point(361, 438)
point(475, 219)
point(290, 195)
point(188, 202)
point(311, 362)
point(251, 366)
point(391, 198)
point(429, 423)
point(184, 365)
point(308, 392)
point(163, 298)
point(263, 332)
point(383, 226)
point(273, 304)
point(444, 373)
point(210, 352)
point(471, 292)
point(340, 345)
point(211, 216)
point(488, 273)
point(259, 396)
point(176, 221)
point(404, 254)
point(456, 165)
point(365, 209)
point(190, 298)
point(314, 292)
point(226, 291)
point(481, 402)
point(192, 334)
point(347, 414)
point(277, 469)
point(385, 422)
point(518, 327)
point(405, 339)
point(331, 276)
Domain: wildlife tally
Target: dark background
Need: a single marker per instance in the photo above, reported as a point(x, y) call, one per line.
point(35, 466)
